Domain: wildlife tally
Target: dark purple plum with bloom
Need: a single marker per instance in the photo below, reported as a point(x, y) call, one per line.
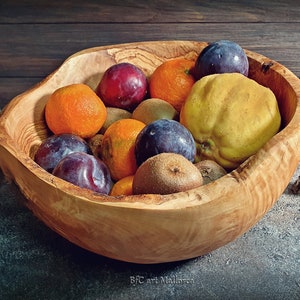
point(221, 57)
point(163, 136)
point(56, 147)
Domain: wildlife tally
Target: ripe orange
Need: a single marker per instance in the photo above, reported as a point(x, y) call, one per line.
point(75, 109)
point(117, 148)
point(122, 186)
point(172, 81)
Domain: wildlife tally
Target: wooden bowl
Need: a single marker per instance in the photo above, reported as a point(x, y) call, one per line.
point(150, 228)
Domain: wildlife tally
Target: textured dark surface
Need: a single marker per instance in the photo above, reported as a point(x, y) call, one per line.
point(35, 262)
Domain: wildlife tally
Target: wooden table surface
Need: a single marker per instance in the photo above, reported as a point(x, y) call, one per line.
point(36, 37)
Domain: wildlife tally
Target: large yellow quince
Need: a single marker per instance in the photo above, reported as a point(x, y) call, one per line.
point(230, 117)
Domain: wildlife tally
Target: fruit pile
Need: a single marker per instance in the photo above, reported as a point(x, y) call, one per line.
point(186, 125)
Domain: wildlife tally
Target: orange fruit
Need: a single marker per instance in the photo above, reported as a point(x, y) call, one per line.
point(117, 148)
point(172, 81)
point(75, 109)
point(122, 186)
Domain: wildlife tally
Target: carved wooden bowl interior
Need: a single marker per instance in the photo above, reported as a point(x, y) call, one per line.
point(150, 228)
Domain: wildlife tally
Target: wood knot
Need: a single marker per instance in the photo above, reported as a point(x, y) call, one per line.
point(266, 66)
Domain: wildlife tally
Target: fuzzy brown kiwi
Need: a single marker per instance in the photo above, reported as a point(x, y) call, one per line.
point(166, 173)
point(210, 170)
point(95, 144)
point(114, 114)
point(153, 109)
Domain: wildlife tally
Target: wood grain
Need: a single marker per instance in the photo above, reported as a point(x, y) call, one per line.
point(34, 51)
point(37, 36)
point(150, 228)
point(164, 11)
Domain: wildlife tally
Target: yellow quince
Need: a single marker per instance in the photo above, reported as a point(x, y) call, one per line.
point(230, 117)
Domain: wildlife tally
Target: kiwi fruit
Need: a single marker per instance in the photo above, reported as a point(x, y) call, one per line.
point(153, 109)
point(210, 170)
point(166, 173)
point(95, 144)
point(114, 114)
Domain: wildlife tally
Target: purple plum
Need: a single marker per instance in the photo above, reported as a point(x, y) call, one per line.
point(164, 136)
point(221, 57)
point(123, 85)
point(55, 147)
point(85, 171)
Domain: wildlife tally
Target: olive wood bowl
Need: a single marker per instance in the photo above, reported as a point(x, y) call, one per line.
point(150, 228)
